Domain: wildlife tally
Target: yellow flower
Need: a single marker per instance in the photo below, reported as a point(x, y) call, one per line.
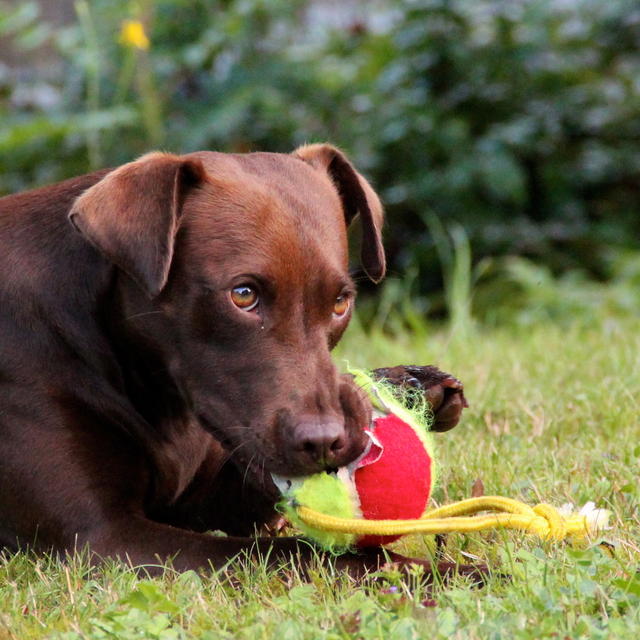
point(132, 35)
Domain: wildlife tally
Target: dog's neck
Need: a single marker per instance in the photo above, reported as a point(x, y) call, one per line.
point(59, 312)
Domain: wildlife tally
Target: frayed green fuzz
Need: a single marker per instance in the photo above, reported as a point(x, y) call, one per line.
point(407, 403)
point(326, 493)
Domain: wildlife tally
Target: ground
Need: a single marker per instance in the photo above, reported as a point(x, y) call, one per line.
point(553, 417)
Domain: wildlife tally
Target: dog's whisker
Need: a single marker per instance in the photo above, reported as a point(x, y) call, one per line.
point(144, 313)
point(248, 468)
point(235, 449)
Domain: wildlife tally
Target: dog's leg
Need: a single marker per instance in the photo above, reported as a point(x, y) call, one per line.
point(148, 545)
point(230, 502)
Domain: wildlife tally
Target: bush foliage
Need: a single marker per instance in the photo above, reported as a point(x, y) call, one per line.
point(515, 120)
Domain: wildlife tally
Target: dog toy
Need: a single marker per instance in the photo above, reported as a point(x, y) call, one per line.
point(384, 494)
point(392, 480)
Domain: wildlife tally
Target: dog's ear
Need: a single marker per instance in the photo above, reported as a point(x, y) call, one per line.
point(131, 216)
point(357, 197)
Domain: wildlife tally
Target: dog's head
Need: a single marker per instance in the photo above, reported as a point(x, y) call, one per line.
point(235, 273)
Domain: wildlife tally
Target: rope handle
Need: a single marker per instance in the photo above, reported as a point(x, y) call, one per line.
point(543, 520)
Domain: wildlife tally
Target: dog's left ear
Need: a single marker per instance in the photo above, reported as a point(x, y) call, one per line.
point(357, 198)
point(131, 216)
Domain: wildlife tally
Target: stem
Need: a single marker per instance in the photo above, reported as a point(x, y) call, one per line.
point(93, 78)
point(151, 101)
point(125, 77)
point(151, 104)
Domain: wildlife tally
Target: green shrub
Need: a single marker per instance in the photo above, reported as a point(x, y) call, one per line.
point(515, 121)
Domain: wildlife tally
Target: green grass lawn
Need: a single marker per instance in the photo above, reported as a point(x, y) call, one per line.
point(553, 417)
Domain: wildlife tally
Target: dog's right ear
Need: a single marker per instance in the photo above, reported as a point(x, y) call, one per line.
point(357, 196)
point(131, 216)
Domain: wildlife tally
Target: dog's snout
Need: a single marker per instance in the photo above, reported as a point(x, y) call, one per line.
point(329, 431)
point(320, 442)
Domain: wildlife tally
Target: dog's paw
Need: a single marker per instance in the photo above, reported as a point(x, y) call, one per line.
point(444, 393)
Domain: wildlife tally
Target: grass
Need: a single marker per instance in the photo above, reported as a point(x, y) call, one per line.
point(553, 417)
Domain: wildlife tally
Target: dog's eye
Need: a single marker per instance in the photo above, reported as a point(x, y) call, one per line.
point(341, 305)
point(244, 297)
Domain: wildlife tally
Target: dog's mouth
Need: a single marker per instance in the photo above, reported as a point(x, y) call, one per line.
point(256, 472)
point(258, 459)
point(254, 467)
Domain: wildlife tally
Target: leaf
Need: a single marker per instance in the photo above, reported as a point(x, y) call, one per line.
point(149, 598)
point(628, 586)
point(447, 622)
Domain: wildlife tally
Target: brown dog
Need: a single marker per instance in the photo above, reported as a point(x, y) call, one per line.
point(162, 359)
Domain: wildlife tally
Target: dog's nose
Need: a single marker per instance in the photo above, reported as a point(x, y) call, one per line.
point(320, 442)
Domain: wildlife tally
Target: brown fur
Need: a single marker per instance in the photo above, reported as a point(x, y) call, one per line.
point(138, 406)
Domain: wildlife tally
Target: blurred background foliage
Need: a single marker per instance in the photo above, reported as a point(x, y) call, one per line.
point(503, 135)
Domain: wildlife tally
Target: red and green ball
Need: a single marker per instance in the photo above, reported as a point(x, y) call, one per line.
point(393, 480)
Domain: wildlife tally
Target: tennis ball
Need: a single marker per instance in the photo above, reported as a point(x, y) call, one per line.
point(392, 480)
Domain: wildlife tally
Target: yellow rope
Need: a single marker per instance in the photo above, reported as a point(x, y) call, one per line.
point(543, 520)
